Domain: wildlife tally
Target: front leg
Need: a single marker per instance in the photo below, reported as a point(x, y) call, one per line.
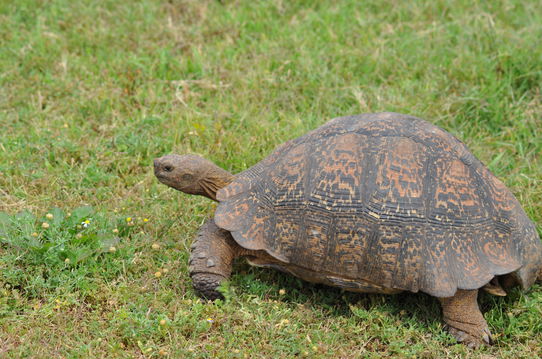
point(213, 252)
point(464, 319)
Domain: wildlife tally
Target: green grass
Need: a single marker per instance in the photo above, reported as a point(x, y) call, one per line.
point(92, 91)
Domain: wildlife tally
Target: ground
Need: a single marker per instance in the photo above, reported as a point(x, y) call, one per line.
point(94, 251)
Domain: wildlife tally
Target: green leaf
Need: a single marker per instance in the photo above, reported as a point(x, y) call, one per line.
point(58, 216)
point(86, 239)
point(80, 214)
point(80, 254)
point(32, 242)
point(109, 242)
point(44, 247)
point(26, 222)
point(6, 225)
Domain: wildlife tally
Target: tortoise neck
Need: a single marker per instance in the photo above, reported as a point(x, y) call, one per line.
point(213, 180)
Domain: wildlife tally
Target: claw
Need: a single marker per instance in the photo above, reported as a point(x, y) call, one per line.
point(487, 338)
point(469, 340)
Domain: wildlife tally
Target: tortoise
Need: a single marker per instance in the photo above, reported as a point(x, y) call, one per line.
point(372, 203)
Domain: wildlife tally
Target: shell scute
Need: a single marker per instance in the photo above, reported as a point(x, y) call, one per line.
point(335, 172)
point(396, 189)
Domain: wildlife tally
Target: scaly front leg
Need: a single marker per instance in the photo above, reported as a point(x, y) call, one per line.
point(211, 259)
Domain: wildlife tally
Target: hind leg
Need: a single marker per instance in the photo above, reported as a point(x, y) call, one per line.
point(211, 259)
point(464, 319)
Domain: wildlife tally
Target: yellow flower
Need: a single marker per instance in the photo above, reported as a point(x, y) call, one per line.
point(87, 221)
point(67, 260)
point(112, 249)
point(145, 219)
point(45, 225)
point(128, 219)
point(210, 320)
point(34, 234)
point(49, 216)
point(282, 291)
point(163, 322)
point(158, 274)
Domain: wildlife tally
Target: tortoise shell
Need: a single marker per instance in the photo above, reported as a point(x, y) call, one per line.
point(386, 199)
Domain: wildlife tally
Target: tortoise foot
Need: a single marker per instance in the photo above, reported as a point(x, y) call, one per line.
point(471, 335)
point(464, 320)
point(206, 284)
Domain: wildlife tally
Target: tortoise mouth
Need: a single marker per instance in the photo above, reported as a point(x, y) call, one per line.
point(161, 177)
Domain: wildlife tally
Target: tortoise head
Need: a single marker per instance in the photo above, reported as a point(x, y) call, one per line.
point(191, 174)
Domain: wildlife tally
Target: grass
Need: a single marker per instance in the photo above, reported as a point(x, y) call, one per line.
point(91, 92)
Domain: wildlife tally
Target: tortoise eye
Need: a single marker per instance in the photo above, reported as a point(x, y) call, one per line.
point(168, 168)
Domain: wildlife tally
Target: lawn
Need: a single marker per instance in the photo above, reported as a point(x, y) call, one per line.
point(94, 250)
